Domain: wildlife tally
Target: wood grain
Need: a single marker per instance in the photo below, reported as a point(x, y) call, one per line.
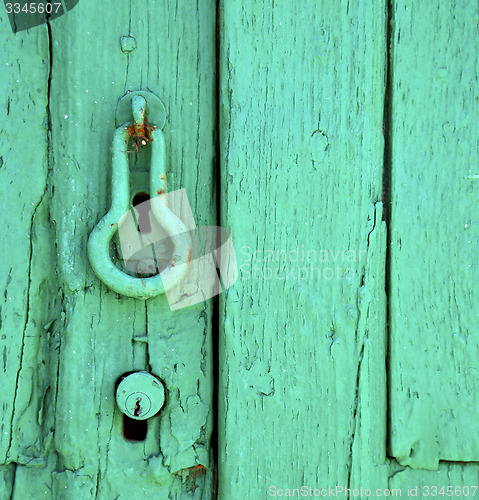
point(96, 335)
point(460, 479)
point(434, 234)
point(302, 376)
point(302, 373)
point(28, 303)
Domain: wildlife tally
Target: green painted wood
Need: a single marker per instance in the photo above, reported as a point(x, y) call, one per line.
point(73, 335)
point(302, 359)
point(29, 301)
point(302, 373)
point(434, 234)
point(462, 478)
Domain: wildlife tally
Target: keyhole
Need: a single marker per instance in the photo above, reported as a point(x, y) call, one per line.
point(142, 202)
point(137, 410)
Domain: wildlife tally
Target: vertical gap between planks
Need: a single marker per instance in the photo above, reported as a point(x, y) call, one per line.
point(387, 170)
point(215, 328)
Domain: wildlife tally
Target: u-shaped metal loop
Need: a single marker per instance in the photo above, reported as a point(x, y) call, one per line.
point(100, 237)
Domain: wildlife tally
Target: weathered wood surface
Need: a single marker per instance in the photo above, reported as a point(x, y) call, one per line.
point(302, 333)
point(302, 372)
point(28, 303)
point(434, 234)
point(462, 480)
point(67, 342)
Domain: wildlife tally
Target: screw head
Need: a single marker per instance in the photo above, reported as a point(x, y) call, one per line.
point(140, 395)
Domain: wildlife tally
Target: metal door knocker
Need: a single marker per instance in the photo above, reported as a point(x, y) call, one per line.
point(141, 133)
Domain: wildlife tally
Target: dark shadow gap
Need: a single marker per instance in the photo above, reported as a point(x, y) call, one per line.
point(215, 328)
point(386, 199)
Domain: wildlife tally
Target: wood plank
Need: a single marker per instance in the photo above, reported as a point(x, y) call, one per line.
point(302, 377)
point(28, 305)
point(434, 234)
point(98, 335)
point(462, 479)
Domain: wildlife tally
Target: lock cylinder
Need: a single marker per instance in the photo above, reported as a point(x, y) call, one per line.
point(140, 395)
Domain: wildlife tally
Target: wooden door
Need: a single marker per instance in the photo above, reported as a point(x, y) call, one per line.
point(68, 338)
point(338, 144)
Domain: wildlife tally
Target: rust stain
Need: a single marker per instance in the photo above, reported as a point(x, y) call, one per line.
point(140, 127)
point(164, 181)
point(196, 470)
point(190, 256)
point(140, 135)
point(191, 473)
